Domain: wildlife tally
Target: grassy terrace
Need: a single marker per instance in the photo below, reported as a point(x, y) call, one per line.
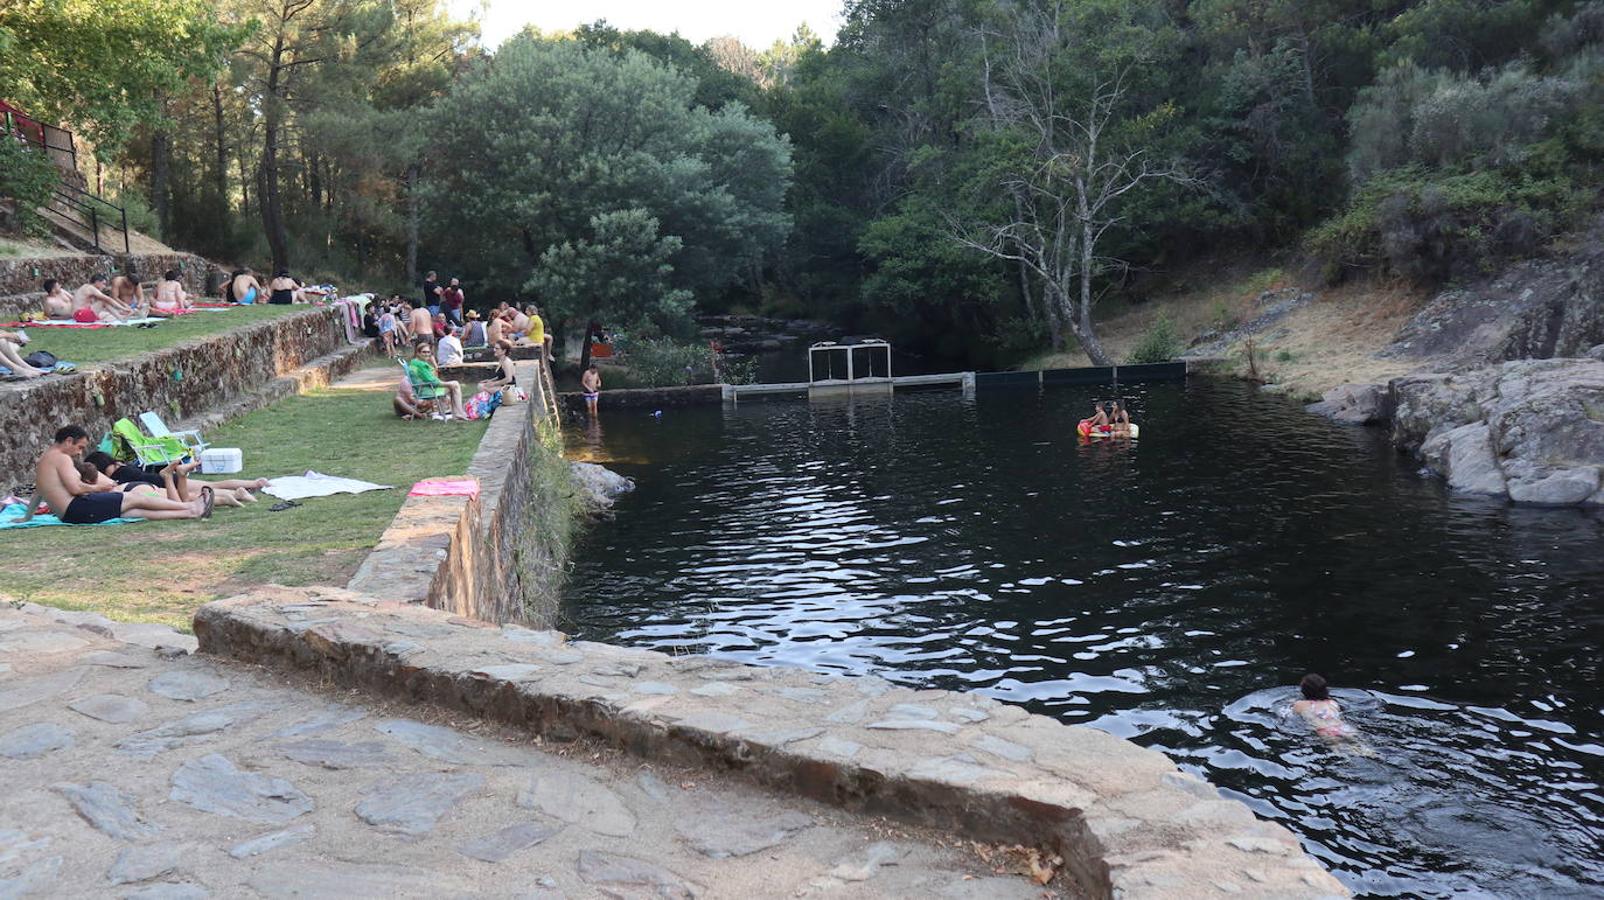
point(161, 571)
point(96, 345)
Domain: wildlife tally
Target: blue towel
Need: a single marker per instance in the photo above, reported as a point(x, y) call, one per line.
point(10, 514)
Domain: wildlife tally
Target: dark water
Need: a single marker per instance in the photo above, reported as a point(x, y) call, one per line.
point(1171, 592)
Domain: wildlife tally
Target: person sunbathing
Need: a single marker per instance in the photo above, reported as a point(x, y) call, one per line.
point(11, 343)
point(58, 301)
point(57, 480)
point(170, 299)
point(230, 491)
point(244, 288)
point(128, 290)
point(91, 303)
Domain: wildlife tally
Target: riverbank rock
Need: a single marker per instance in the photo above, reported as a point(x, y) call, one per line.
point(1539, 309)
point(1355, 404)
point(1531, 430)
point(599, 486)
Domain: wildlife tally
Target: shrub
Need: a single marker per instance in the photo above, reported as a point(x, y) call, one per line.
point(27, 177)
point(665, 362)
point(1159, 343)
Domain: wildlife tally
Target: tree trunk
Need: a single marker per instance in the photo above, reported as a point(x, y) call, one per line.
point(278, 239)
point(161, 152)
point(412, 224)
point(584, 348)
point(222, 155)
point(314, 180)
point(1082, 323)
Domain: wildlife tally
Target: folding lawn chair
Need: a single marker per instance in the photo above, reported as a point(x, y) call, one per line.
point(156, 428)
point(425, 393)
point(149, 451)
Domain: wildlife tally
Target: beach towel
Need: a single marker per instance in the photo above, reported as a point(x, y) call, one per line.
point(316, 484)
point(9, 516)
point(446, 487)
point(58, 323)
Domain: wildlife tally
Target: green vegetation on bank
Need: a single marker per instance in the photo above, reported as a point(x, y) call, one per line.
point(161, 571)
point(898, 181)
point(95, 345)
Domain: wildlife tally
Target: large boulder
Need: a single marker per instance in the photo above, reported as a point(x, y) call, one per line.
point(1532, 430)
point(1423, 404)
point(1355, 404)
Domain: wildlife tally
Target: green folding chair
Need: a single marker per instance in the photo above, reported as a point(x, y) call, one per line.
point(149, 451)
point(156, 428)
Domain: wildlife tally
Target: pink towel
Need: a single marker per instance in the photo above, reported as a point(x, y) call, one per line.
point(446, 487)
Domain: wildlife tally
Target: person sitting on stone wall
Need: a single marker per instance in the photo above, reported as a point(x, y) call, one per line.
point(448, 352)
point(506, 375)
point(58, 300)
point(91, 303)
point(474, 334)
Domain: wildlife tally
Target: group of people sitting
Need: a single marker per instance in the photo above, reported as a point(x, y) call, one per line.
point(117, 299)
point(1109, 418)
point(422, 392)
point(282, 290)
point(84, 488)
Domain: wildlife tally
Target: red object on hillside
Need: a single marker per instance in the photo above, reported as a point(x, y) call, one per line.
point(22, 123)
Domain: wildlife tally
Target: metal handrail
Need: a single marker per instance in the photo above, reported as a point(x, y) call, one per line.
point(84, 202)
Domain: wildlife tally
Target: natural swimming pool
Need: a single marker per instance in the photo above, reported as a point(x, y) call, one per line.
point(1171, 591)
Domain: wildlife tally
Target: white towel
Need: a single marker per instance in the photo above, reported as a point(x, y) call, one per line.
point(316, 484)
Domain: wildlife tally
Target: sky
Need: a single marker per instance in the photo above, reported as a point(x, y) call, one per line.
point(758, 23)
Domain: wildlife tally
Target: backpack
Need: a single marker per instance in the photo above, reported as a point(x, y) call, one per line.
point(41, 359)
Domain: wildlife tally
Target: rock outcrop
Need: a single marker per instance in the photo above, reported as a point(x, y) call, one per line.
point(1531, 430)
point(1355, 404)
point(1539, 309)
point(599, 486)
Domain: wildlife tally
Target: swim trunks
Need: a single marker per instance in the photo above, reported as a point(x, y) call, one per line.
point(88, 509)
point(249, 298)
point(85, 315)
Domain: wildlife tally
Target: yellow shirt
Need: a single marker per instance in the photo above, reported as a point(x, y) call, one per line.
point(537, 330)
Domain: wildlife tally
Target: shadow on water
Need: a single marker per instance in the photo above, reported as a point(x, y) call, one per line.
point(1160, 591)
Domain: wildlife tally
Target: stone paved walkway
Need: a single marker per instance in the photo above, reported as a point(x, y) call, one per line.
point(138, 770)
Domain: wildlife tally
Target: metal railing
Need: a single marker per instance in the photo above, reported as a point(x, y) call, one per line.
point(88, 211)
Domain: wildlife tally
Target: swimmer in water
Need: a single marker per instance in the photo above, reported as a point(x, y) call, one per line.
point(1325, 716)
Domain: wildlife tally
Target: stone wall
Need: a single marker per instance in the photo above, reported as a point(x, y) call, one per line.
point(649, 398)
point(482, 557)
point(180, 382)
point(20, 279)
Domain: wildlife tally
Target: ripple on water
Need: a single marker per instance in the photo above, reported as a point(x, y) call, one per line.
point(1160, 592)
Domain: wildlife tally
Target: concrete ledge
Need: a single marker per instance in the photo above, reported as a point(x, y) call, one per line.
point(649, 398)
point(473, 556)
point(1125, 820)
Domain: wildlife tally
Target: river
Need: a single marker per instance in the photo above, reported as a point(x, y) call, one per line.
point(1171, 591)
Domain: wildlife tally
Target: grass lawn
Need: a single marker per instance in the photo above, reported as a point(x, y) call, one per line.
point(93, 345)
point(161, 571)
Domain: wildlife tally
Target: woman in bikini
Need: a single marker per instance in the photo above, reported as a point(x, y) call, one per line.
point(507, 377)
point(170, 299)
point(1324, 715)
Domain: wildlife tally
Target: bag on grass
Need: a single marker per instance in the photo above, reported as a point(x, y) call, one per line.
point(41, 359)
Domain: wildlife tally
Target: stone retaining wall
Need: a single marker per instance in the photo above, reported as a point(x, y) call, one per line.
point(20, 279)
point(479, 557)
point(1125, 820)
point(180, 382)
point(649, 398)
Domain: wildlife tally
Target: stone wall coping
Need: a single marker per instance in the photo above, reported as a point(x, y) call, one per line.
point(1125, 819)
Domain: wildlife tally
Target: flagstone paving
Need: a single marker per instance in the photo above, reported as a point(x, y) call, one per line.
point(138, 770)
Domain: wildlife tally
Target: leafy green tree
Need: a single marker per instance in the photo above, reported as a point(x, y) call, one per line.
point(103, 67)
point(552, 139)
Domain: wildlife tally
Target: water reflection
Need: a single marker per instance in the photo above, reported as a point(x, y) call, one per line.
point(1154, 590)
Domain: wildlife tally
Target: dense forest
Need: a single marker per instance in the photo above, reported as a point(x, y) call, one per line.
point(967, 176)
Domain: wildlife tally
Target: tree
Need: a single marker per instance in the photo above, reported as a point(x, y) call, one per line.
point(568, 136)
point(104, 67)
point(1073, 149)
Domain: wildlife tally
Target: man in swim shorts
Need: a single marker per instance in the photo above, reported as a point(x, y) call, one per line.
point(57, 480)
point(91, 303)
point(591, 383)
